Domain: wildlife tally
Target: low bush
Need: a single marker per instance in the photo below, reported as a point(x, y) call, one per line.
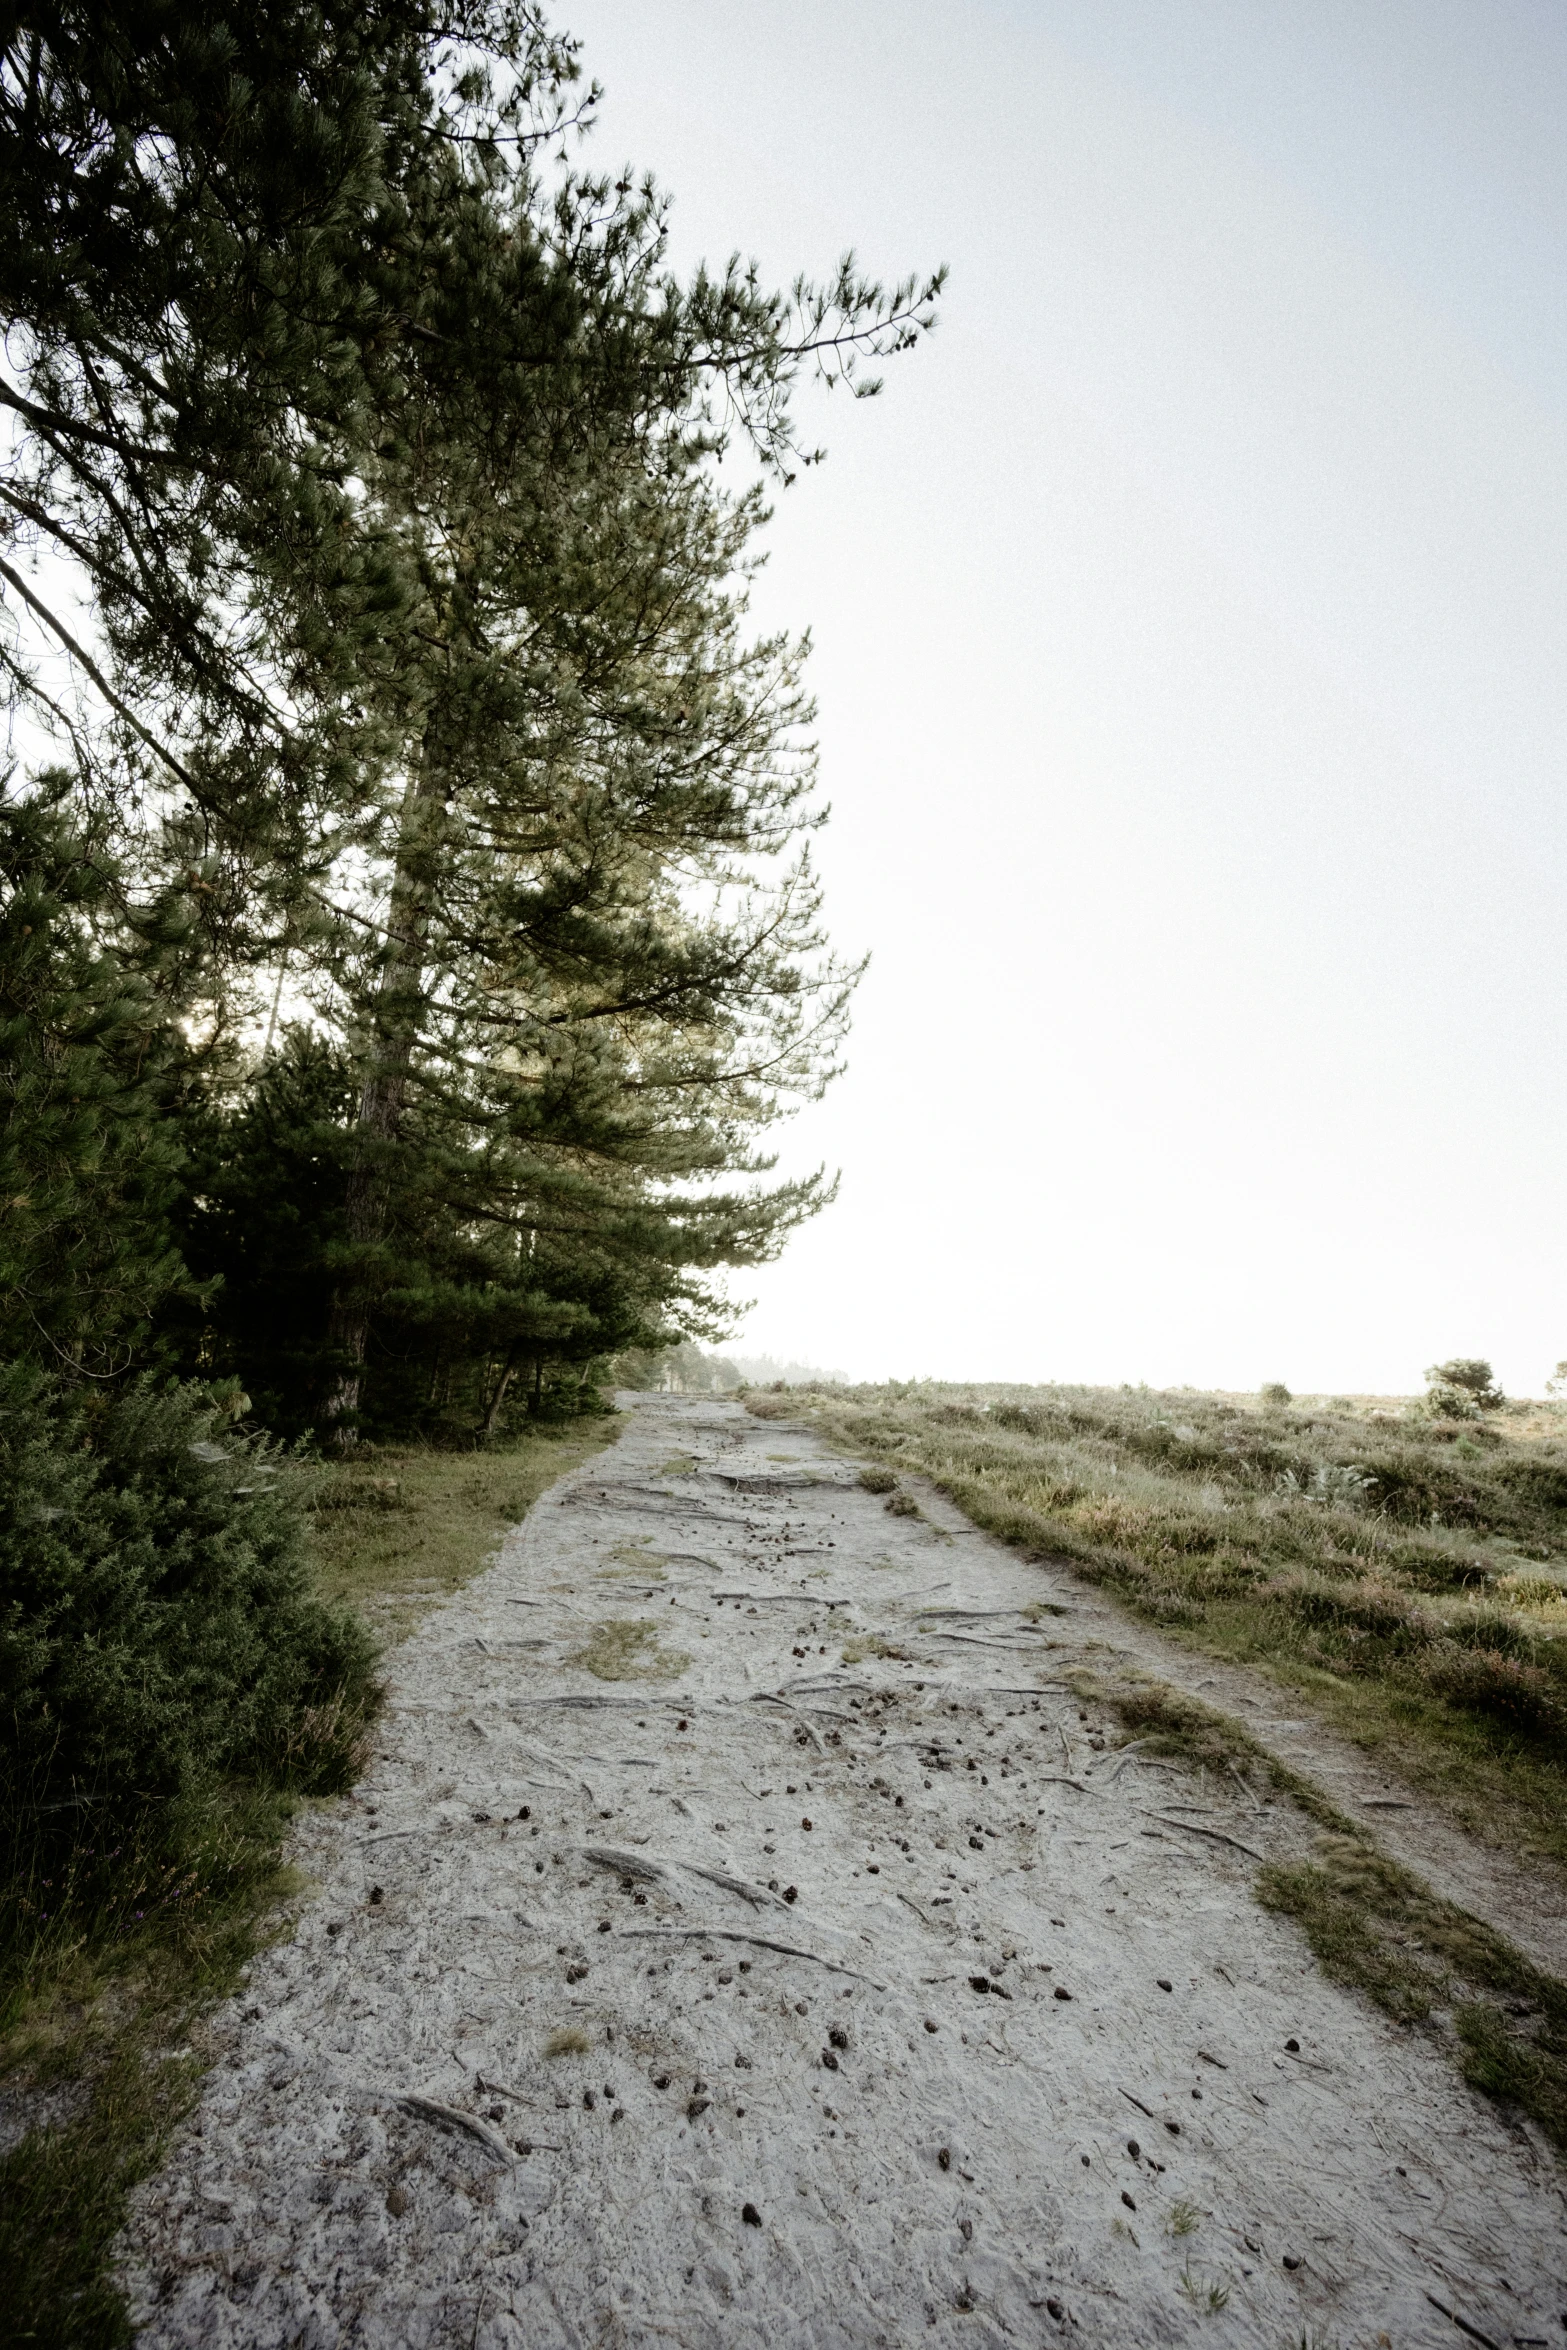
point(159, 1628)
point(1523, 1697)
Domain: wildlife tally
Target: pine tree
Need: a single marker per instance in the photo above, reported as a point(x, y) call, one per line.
point(235, 242)
point(383, 444)
point(586, 985)
point(90, 1156)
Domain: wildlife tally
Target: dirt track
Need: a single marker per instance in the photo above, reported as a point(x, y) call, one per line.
point(766, 1893)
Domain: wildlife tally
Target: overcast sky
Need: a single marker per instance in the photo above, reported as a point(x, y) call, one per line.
point(1189, 622)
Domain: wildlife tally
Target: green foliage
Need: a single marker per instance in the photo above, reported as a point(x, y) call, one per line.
point(380, 442)
point(63, 2200)
point(158, 1629)
point(1462, 1389)
point(89, 1155)
point(475, 1323)
point(1276, 1393)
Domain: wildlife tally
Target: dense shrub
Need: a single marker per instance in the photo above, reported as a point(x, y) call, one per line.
point(158, 1628)
point(1461, 1389)
point(1522, 1697)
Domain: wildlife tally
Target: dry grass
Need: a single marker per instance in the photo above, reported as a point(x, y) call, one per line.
point(570, 2040)
point(1375, 1925)
point(626, 1648)
point(1301, 1541)
point(866, 1644)
point(1405, 1578)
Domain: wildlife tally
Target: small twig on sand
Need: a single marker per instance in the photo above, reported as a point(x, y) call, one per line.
point(1243, 1784)
point(499, 2089)
point(794, 1599)
point(728, 1934)
point(1141, 2107)
point(1219, 1837)
point(1060, 1779)
point(771, 1697)
point(1462, 2324)
point(634, 1864)
point(1119, 1756)
point(972, 1640)
point(451, 2117)
point(589, 1704)
point(968, 1615)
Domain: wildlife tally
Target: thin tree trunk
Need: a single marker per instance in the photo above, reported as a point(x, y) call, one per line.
point(499, 1397)
point(394, 1030)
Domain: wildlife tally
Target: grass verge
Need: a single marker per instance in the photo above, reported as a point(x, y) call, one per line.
point(1374, 1925)
point(402, 1527)
point(1402, 1576)
point(101, 2014)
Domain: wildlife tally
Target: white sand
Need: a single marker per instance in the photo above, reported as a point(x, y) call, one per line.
point(971, 2184)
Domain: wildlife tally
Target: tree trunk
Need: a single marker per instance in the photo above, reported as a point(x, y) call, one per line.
point(395, 1019)
point(499, 1397)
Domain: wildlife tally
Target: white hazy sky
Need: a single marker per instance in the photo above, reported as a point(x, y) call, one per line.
point(1189, 621)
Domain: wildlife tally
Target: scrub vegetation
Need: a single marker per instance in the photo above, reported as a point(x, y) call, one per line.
point(1400, 1567)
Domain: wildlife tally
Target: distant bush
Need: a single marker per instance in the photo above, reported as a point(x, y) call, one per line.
point(1462, 1389)
point(1274, 1391)
point(1339, 1485)
point(158, 1629)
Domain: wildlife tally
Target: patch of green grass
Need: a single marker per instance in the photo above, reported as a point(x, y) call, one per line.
point(1206, 2293)
point(132, 1953)
point(401, 1528)
point(94, 2012)
point(1403, 1577)
point(639, 1563)
point(626, 1648)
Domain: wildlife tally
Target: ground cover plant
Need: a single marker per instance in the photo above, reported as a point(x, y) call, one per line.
point(1401, 1568)
point(102, 1998)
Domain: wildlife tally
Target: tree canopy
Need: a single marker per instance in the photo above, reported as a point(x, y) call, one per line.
point(370, 565)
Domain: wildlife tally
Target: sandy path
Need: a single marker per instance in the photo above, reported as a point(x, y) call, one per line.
point(796, 2118)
